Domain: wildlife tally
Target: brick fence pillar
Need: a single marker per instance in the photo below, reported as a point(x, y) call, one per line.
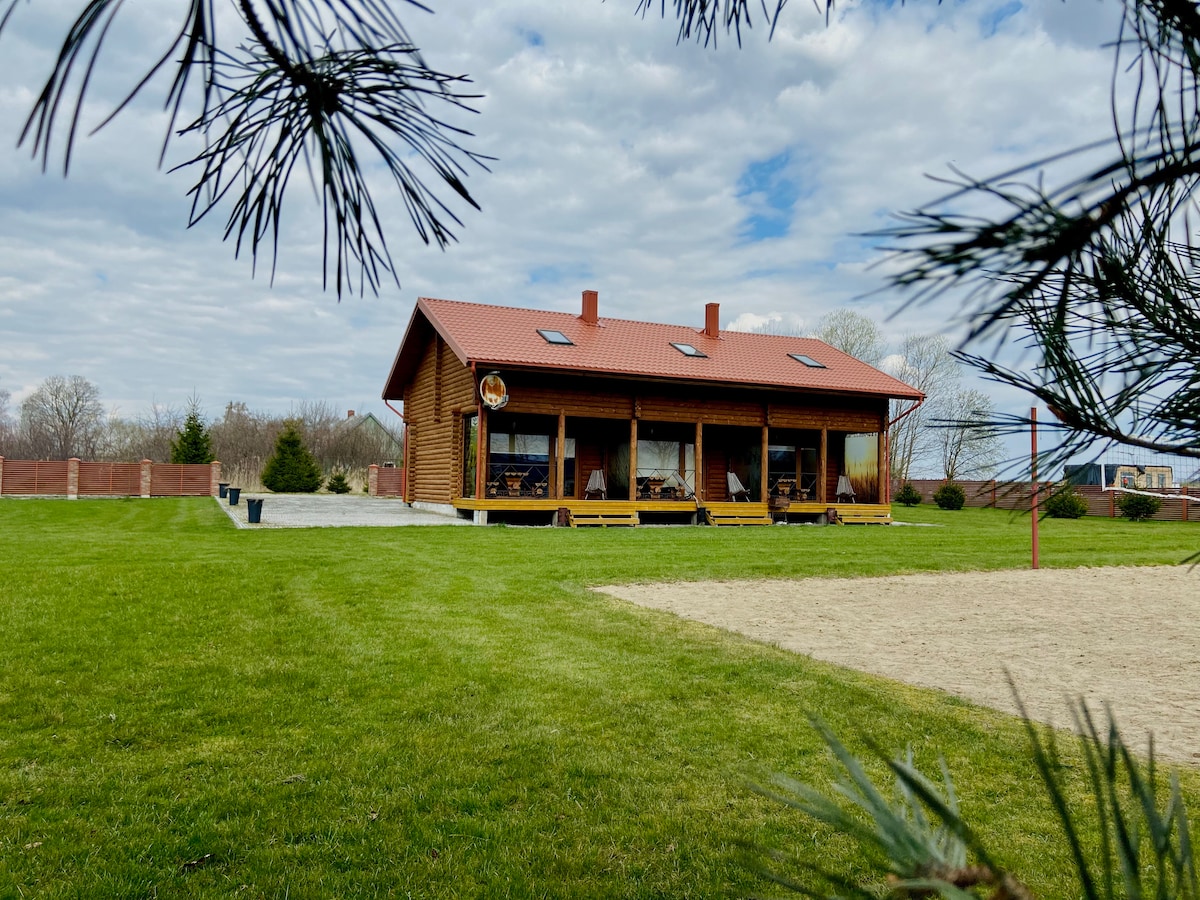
point(1, 474)
point(373, 480)
point(73, 478)
point(1183, 503)
point(147, 471)
point(215, 480)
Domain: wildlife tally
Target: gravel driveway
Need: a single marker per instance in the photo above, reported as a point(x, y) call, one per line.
point(331, 511)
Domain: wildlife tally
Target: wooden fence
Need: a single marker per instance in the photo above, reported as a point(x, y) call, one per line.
point(1017, 495)
point(77, 478)
point(385, 482)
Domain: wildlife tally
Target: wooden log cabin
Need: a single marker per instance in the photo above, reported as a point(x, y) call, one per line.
point(526, 415)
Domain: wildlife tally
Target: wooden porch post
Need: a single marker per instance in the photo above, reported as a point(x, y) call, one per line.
point(560, 466)
point(481, 456)
point(699, 477)
point(881, 468)
point(823, 465)
point(633, 459)
point(762, 468)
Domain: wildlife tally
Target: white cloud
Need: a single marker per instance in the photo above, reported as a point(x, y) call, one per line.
point(619, 154)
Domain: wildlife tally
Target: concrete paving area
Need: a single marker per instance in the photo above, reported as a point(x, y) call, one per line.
point(331, 511)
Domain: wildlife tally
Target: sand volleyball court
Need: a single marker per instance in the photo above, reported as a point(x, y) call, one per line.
point(1129, 636)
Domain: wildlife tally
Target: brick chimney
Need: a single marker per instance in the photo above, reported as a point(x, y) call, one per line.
point(349, 414)
point(591, 307)
point(712, 319)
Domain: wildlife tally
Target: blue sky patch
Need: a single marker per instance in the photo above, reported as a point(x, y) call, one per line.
point(991, 21)
point(531, 37)
point(770, 192)
point(560, 274)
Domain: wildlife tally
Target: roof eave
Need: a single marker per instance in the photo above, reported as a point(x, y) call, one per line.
point(698, 382)
point(408, 357)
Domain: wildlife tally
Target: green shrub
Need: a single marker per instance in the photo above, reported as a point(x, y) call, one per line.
point(950, 496)
point(292, 468)
point(1065, 503)
point(1139, 507)
point(908, 495)
point(338, 484)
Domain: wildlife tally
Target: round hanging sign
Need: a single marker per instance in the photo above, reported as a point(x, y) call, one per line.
point(493, 391)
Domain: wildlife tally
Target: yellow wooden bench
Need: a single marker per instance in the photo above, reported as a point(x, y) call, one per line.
point(597, 512)
point(726, 516)
point(866, 515)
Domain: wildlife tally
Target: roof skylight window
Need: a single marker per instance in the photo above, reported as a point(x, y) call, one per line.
point(807, 360)
point(555, 337)
point(688, 350)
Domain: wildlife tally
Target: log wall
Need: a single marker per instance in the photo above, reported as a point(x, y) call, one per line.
point(433, 405)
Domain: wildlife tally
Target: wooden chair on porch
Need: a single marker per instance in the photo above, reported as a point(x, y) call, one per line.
point(845, 490)
point(737, 491)
point(596, 488)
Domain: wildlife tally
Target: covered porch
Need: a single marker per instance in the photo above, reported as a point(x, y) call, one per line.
point(529, 467)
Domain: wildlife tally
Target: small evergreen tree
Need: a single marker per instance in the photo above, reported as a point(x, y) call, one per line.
point(1139, 507)
point(292, 468)
point(950, 496)
point(338, 484)
point(908, 495)
point(1065, 503)
point(193, 443)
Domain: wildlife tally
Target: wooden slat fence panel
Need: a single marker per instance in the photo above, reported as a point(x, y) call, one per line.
point(98, 479)
point(1099, 501)
point(175, 480)
point(390, 483)
point(32, 477)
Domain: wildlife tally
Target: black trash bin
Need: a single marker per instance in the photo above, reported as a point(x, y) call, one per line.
point(234, 493)
point(254, 509)
point(222, 489)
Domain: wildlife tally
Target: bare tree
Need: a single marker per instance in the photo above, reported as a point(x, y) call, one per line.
point(157, 429)
point(968, 440)
point(62, 418)
point(853, 333)
point(243, 440)
point(319, 421)
point(361, 441)
point(146, 436)
point(6, 423)
point(924, 362)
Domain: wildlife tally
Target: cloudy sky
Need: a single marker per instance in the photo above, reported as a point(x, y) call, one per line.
point(662, 175)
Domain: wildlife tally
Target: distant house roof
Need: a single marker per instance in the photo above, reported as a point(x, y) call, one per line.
point(371, 423)
point(502, 336)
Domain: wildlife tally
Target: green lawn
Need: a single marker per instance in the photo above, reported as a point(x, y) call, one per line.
point(190, 710)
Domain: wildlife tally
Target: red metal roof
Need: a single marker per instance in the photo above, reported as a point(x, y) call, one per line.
point(501, 336)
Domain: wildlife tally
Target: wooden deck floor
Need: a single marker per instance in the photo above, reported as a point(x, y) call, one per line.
point(797, 511)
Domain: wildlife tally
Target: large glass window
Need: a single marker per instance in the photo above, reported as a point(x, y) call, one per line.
point(519, 460)
point(470, 433)
point(666, 461)
point(569, 467)
point(781, 469)
point(792, 464)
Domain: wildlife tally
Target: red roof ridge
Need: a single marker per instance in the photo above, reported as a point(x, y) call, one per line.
point(623, 321)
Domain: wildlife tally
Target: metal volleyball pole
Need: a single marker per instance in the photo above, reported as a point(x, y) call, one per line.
point(1033, 506)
